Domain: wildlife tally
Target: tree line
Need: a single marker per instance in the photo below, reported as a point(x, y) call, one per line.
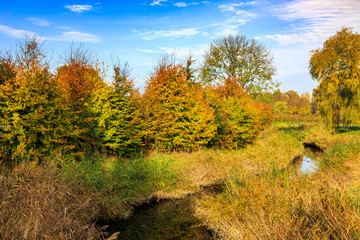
point(73, 110)
point(223, 103)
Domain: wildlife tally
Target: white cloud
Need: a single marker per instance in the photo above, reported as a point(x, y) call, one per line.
point(15, 33)
point(148, 50)
point(79, 8)
point(180, 4)
point(39, 21)
point(227, 30)
point(187, 32)
point(184, 4)
point(315, 20)
point(75, 36)
point(235, 17)
point(234, 8)
point(157, 2)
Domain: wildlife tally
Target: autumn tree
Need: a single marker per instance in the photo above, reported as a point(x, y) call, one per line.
point(33, 119)
point(336, 67)
point(239, 118)
point(175, 112)
point(244, 60)
point(82, 89)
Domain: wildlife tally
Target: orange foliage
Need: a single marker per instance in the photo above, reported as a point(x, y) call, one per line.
point(78, 81)
point(175, 112)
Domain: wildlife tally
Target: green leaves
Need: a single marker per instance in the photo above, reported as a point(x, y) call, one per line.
point(244, 60)
point(336, 67)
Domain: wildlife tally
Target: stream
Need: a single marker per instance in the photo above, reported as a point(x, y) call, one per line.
point(308, 162)
point(165, 219)
point(174, 219)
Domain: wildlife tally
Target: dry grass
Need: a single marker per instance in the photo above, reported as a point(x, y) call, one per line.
point(36, 203)
point(44, 202)
point(278, 204)
point(209, 166)
point(272, 206)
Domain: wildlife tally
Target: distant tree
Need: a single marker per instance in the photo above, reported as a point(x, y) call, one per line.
point(280, 107)
point(336, 67)
point(244, 60)
point(278, 96)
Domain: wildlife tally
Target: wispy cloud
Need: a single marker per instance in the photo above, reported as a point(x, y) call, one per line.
point(75, 36)
point(234, 8)
point(148, 50)
point(39, 21)
point(187, 32)
point(184, 4)
point(315, 20)
point(79, 8)
point(67, 36)
point(15, 33)
point(157, 2)
point(183, 52)
point(236, 17)
point(180, 4)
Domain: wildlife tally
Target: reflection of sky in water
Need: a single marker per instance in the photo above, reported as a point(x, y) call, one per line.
point(308, 165)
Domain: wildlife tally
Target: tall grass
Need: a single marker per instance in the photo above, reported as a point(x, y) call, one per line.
point(36, 202)
point(278, 203)
point(274, 206)
point(72, 195)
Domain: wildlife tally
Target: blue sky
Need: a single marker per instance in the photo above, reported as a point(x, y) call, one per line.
point(141, 31)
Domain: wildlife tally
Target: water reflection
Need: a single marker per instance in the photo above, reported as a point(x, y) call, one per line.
point(164, 220)
point(308, 165)
point(309, 162)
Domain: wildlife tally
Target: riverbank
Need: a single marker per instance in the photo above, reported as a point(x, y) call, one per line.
point(64, 199)
point(279, 204)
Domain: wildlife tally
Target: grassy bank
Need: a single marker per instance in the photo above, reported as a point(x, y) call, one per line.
point(63, 199)
point(280, 204)
point(65, 191)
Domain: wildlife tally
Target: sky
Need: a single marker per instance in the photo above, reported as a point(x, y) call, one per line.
point(141, 31)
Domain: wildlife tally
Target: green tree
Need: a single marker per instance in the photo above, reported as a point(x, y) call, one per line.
point(244, 60)
point(123, 125)
point(336, 67)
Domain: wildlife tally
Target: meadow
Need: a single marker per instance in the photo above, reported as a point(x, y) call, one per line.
point(263, 196)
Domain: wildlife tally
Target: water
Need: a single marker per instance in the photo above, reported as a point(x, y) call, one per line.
point(165, 220)
point(308, 163)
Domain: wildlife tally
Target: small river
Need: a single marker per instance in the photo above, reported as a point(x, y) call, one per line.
point(174, 219)
point(169, 219)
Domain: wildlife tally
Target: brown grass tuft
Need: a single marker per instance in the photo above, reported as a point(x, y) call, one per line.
point(37, 203)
